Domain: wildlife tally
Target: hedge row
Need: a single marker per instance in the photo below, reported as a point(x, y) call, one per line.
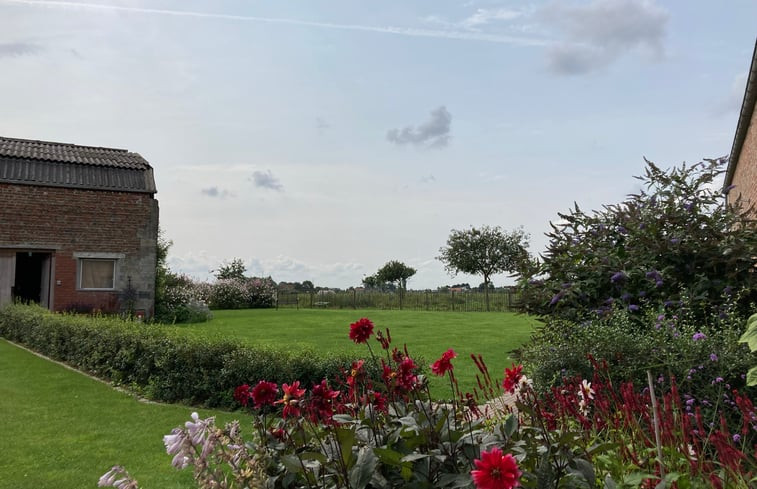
point(161, 364)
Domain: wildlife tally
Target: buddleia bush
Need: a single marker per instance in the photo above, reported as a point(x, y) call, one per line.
point(676, 237)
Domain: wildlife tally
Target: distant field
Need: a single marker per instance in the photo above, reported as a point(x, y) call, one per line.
point(62, 429)
point(426, 333)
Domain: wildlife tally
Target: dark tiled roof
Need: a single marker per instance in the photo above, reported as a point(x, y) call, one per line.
point(745, 116)
point(30, 162)
point(71, 153)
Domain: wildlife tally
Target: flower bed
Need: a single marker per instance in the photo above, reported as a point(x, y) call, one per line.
point(354, 432)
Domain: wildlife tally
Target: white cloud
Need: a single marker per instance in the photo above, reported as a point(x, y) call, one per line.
point(216, 192)
point(434, 133)
point(390, 30)
point(14, 49)
point(485, 16)
point(265, 179)
point(732, 102)
point(597, 34)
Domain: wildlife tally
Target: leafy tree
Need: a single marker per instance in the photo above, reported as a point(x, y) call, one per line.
point(374, 283)
point(484, 251)
point(307, 286)
point(675, 239)
point(162, 272)
point(395, 272)
point(232, 270)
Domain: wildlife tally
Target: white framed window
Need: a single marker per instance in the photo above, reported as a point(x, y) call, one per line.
point(97, 274)
point(97, 271)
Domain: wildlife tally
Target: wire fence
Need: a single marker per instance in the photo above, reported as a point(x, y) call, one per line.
point(414, 300)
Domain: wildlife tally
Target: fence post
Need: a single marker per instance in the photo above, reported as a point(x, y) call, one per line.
point(354, 299)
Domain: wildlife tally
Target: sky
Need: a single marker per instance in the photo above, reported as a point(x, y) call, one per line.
point(317, 140)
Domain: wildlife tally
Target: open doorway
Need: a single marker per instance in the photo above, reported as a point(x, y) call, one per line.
point(32, 283)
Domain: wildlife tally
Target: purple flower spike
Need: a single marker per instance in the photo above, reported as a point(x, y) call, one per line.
point(675, 240)
point(698, 336)
point(633, 308)
point(618, 277)
point(713, 357)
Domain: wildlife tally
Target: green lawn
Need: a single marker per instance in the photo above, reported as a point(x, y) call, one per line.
point(61, 429)
point(427, 334)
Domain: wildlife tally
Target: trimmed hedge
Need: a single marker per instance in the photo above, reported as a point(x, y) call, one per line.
point(161, 364)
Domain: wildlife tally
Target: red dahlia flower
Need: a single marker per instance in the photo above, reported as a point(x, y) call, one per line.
point(361, 330)
point(444, 364)
point(406, 377)
point(496, 471)
point(264, 394)
point(512, 376)
point(375, 399)
point(242, 394)
point(291, 400)
point(321, 406)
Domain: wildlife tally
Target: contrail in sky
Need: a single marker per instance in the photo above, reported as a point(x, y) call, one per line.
point(399, 31)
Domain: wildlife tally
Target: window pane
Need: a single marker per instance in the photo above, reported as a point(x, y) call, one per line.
point(97, 274)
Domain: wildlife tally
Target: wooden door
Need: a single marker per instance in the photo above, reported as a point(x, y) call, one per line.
point(7, 276)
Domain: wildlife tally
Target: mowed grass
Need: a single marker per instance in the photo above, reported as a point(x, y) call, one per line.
point(61, 429)
point(427, 334)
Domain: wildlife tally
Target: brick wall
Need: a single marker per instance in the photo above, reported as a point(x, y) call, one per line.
point(70, 221)
point(745, 176)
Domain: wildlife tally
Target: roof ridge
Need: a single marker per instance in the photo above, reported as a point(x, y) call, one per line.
point(22, 140)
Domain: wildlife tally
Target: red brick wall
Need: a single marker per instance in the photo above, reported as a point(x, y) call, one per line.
point(71, 220)
point(745, 176)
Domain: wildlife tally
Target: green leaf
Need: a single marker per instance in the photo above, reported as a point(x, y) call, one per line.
point(511, 425)
point(585, 470)
point(292, 463)
point(361, 473)
point(346, 439)
point(750, 335)
point(388, 456)
point(609, 483)
point(636, 478)
point(455, 481)
point(414, 456)
point(751, 377)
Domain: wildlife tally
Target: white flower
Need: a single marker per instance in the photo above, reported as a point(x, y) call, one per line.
point(180, 461)
point(586, 390)
point(109, 477)
point(173, 441)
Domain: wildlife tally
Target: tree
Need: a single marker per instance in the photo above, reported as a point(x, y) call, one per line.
point(162, 271)
point(484, 251)
point(232, 270)
point(674, 240)
point(395, 272)
point(374, 283)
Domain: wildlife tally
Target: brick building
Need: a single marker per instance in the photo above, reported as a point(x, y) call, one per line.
point(78, 227)
point(742, 166)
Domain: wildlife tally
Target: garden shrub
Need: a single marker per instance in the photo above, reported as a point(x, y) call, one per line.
point(242, 293)
point(161, 364)
point(181, 300)
point(676, 237)
point(703, 354)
